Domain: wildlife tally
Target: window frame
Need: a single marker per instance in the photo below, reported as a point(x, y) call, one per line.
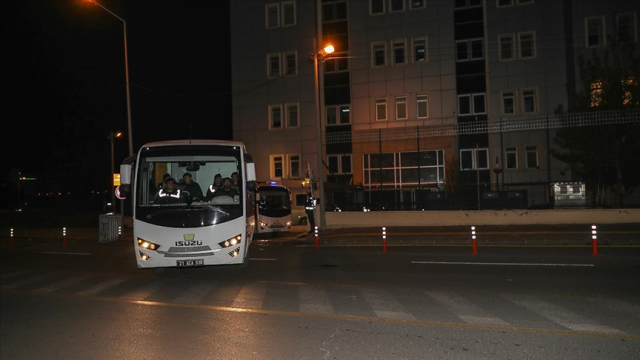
point(401, 102)
point(413, 4)
point(287, 114)
point(267, 15)
point(472, 104)
point(290, 166)
point(381, 104)
point(371, 7)
point(499, 6)
point(274, 160)
point(512, 56)
point(529, 150)
point(399, 44)
point(337, 111)
point(340, 163)
point(476, 153)
point(286, 4)
point(392, 2)
point(414, 49)
point(504, 96)
point(469, 49)
point(511, 154)
point(336, 4)
point(376, 47)
point(272, 108)
point(422, 98)
point(524, 100)
point(602, 31)
point(634, 26)
point(521, 48)
point(286, 56)
point(270, 58)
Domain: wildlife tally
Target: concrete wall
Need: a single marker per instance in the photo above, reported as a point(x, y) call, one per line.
point(336, 220)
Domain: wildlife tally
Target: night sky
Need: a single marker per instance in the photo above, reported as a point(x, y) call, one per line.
point(63, 83)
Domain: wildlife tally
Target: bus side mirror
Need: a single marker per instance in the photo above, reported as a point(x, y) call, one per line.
point(250, 168)
point(125, 174)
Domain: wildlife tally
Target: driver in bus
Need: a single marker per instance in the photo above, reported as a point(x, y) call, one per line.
point(169, 193)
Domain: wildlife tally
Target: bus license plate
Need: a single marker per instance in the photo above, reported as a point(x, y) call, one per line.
point(189, 263)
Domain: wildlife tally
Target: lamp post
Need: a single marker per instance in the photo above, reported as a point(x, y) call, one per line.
point(497, 169)
point(319, 54)
point(112, 138)
point(126, 73)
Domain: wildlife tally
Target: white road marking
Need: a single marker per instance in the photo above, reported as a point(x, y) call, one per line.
point(194, 294)
point(63, 253)
point(385, 306)
point(100, 287)
point(250, 297)
point(314, 300)
point(466, 310)
point(498, 264)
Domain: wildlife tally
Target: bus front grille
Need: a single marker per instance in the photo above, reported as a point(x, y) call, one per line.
point(193, 251)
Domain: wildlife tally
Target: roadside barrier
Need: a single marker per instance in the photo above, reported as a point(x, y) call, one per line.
point(384, 239)
point(473, 240)
point(316, 234)
point(64, 236)
point(594, 239)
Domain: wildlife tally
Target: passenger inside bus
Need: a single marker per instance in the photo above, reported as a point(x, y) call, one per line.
point(169, 193)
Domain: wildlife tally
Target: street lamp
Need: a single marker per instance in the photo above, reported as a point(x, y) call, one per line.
point(497, 169)
point(126, 72)
point(112, 138)
point(320, 54)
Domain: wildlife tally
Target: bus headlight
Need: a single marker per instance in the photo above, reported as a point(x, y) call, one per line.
point(144, 256)
point(288, 223)
point(263, 224)
point(231, 241)
point(235, 252)
point(147, 244)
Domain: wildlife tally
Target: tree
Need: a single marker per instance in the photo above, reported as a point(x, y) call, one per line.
point(608, 155)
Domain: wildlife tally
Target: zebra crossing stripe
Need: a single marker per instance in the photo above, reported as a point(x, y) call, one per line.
point(385, 306)
point(250, 297)
point(60, 284)
point(143, 291)
point(561, 316)
point(314, 300)
point(194, 294)
point(466, 310)
point(26, 281)
point(100, 287)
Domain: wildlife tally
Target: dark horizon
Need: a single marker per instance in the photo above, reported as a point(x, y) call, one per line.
point(63, 87)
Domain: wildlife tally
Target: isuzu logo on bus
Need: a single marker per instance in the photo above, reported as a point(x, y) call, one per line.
point(189, 239)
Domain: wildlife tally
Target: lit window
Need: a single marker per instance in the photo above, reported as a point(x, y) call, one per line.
point(418, 4)
point(338, 115)
point(596, 93)
point(420, 49)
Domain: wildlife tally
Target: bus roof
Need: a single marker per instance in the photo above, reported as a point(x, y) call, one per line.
point(194, 142)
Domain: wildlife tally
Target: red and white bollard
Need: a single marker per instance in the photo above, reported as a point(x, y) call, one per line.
point(594, 239)
point(384, 239)
point(64, 236)
point(11, 242)
point(473, 240)
point(316, 234)
point(119, 233)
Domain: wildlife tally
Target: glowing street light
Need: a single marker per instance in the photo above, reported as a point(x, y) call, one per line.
point(320, 54)
point(126, 72)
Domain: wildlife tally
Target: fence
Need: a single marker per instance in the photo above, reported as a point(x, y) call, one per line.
point(543, 195)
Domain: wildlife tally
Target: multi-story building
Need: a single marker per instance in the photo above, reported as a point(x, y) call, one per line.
point(419, 94)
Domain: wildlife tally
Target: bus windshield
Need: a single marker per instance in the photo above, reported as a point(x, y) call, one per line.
point(195, 200)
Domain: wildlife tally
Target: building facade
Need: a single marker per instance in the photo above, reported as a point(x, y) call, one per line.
point(420, 98)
